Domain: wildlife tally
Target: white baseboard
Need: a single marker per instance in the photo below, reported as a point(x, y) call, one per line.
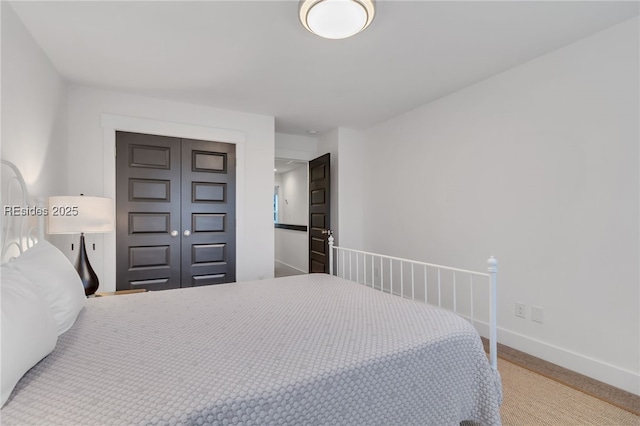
point(290, 266)
point(598, 370)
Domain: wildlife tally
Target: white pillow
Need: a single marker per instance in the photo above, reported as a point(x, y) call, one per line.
point(29, 332)
point(57, 281)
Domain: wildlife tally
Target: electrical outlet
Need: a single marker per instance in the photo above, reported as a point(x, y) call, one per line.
point(537, 314)
point(521, 310)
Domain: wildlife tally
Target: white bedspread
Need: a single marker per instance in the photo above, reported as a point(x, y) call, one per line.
point(306, 350)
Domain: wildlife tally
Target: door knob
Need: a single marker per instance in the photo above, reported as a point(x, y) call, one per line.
point(174, 233)
point(187, 233)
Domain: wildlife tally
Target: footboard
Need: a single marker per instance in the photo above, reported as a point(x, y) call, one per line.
point(443, 286)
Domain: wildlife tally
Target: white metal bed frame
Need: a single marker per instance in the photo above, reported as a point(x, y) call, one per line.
point(347, 273)
point(19, 232)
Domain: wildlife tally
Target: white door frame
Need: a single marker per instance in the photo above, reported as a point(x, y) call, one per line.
point(112, 123)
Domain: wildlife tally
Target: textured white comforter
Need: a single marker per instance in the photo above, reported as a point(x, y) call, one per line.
point(305, 350)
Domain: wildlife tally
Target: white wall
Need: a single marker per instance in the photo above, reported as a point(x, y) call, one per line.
point(350, 185)
point(346, 147)
point(92, 113)
point(292, 249)
point(538, 166)
point(294, 197)
point(295, 147)
point(34, 110)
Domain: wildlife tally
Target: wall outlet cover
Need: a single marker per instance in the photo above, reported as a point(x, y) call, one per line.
point(537, 314)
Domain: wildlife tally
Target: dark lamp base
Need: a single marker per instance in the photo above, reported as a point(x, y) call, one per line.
point(86, 272)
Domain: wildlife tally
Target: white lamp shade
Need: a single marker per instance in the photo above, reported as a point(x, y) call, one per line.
point(76, 214)
point(336, 19)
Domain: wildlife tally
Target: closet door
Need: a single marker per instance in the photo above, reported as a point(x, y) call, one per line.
point(148, 187)
point(208, 213)
point(175, 207)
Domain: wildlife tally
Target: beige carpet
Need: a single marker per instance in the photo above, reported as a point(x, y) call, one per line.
point(534, 400)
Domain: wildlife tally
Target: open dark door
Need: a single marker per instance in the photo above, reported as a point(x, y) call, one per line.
point(319, 213)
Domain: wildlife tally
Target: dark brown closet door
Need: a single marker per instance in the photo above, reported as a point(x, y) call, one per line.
point(148, 211)
point(208, 218)
point(175, 206)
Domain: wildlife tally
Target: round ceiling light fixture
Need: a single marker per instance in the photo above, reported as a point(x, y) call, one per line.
point(336, 19)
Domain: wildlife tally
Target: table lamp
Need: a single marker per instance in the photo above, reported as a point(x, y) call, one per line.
point(81, 215)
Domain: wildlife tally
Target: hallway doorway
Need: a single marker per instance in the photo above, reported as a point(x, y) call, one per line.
point(291, 216)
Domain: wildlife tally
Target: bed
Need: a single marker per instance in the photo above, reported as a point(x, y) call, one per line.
point(315, 349)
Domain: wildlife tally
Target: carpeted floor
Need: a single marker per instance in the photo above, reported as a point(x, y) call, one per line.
point(532, 399)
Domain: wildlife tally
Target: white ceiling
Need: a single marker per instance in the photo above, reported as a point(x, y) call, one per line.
point(256, 57)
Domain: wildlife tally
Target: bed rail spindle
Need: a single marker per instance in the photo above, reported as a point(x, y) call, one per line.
point(364, 268)
point(373, 273)
point(426, 299)
point(330, 240)
point(343, 265)
point(391, 273)
point(439, 290)
point(473, 321)
point(455, 294)
point(413, 282)
point(401, 279)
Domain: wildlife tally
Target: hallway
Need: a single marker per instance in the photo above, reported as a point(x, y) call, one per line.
point(282, 270)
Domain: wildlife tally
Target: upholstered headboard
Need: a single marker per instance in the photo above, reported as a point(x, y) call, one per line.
point(22, 218)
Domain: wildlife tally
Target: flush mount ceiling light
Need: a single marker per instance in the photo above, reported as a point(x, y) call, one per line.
point(336, 19)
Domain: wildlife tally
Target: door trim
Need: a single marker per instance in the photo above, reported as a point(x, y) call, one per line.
point(112, 123)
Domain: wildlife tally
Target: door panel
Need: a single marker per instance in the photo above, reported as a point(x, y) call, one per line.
point(148, 181)
point(176, 212)
point(208, 195)
point(319, 213)
point(149, 223)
